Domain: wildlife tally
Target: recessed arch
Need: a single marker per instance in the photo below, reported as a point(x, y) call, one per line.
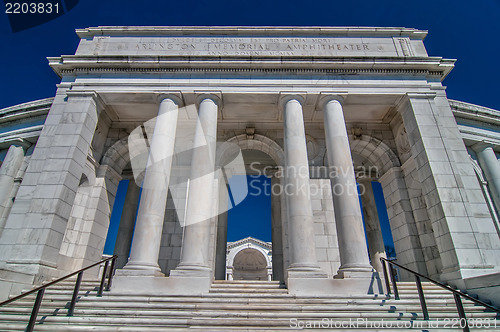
point(375, 152)
point(259, 142)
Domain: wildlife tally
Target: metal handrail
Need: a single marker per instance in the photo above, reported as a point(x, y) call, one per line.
point(71, 309)
point(456, 293)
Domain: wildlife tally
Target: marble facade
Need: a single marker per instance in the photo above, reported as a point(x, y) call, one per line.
point(331, 106)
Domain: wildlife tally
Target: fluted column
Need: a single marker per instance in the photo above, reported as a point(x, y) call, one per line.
point(348, 219)
point(303, 261)
point(195, 243)
point(148, 230)
point(491, 168)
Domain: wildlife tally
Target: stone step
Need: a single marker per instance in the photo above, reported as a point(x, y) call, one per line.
point(245, 286)
point(213, 322)
point(232, 306)
point(396, 306)
point(251, 282)
point(55, 328)
point(66, 295)
point(248, 308)
point(247, 311)
point(65, 328)
point(132, 301)
point(72, 286)
point(414, 286)
point(258, 305)
point(249, 290)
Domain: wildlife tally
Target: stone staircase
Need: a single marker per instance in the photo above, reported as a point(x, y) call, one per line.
point(241, 306)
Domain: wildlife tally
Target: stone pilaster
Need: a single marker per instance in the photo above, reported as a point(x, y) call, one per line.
point(465, 234)
point(33, 233)
point(401, 217)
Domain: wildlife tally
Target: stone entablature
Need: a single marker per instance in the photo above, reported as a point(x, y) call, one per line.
point(388, 51)
point(249, 41)
point(23, 114)
point(22, 124)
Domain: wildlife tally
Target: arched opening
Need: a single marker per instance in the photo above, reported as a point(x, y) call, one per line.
point(378, 232)
point(249, 264)
point(259, 214)
point(252, 217)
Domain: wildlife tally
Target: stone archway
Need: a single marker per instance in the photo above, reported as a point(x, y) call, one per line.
point(249, 264)
point(391, 175)
point(275, 152)
point(86, 231)
point(249, 259)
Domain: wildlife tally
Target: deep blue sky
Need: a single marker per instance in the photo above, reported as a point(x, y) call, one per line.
point(252, 217)
point(463, 30)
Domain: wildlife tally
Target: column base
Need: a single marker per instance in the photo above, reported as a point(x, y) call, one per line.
point(366, 284)
point(132, 269)
point(191, 271)
point(305, 271)
point(149, 285)
point(354, 271)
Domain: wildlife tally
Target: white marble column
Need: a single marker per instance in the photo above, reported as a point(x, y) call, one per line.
point(277, 230)
point(373, 230)
point(349, 222)
point(10, 166)
point(491, 168)
point(195, 245)
point(148, 230)
point(221, 244)
point(303, 260)
point(126, 227)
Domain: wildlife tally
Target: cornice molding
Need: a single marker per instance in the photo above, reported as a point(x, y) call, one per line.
point(249, 240)
point(281, 31)
point(423, 66)
point(474, 112)
point(26, 110)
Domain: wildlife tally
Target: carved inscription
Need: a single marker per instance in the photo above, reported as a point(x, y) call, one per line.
point(248, 46)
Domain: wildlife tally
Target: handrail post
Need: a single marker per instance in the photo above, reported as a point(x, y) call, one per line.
point(386, 277)
point(393, 280)
point(111, 273)
point(461, 312)
point(71, 308)
point(34, 312)
point(422, 298)
point(101, 286)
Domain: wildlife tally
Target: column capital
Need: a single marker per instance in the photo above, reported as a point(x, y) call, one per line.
point(482, 145)
point(323, 99)
point(176, 97)
point(285, 97)
point(215, 96)
point(100, 104)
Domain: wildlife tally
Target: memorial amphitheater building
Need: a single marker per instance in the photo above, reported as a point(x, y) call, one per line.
point(334, 116)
